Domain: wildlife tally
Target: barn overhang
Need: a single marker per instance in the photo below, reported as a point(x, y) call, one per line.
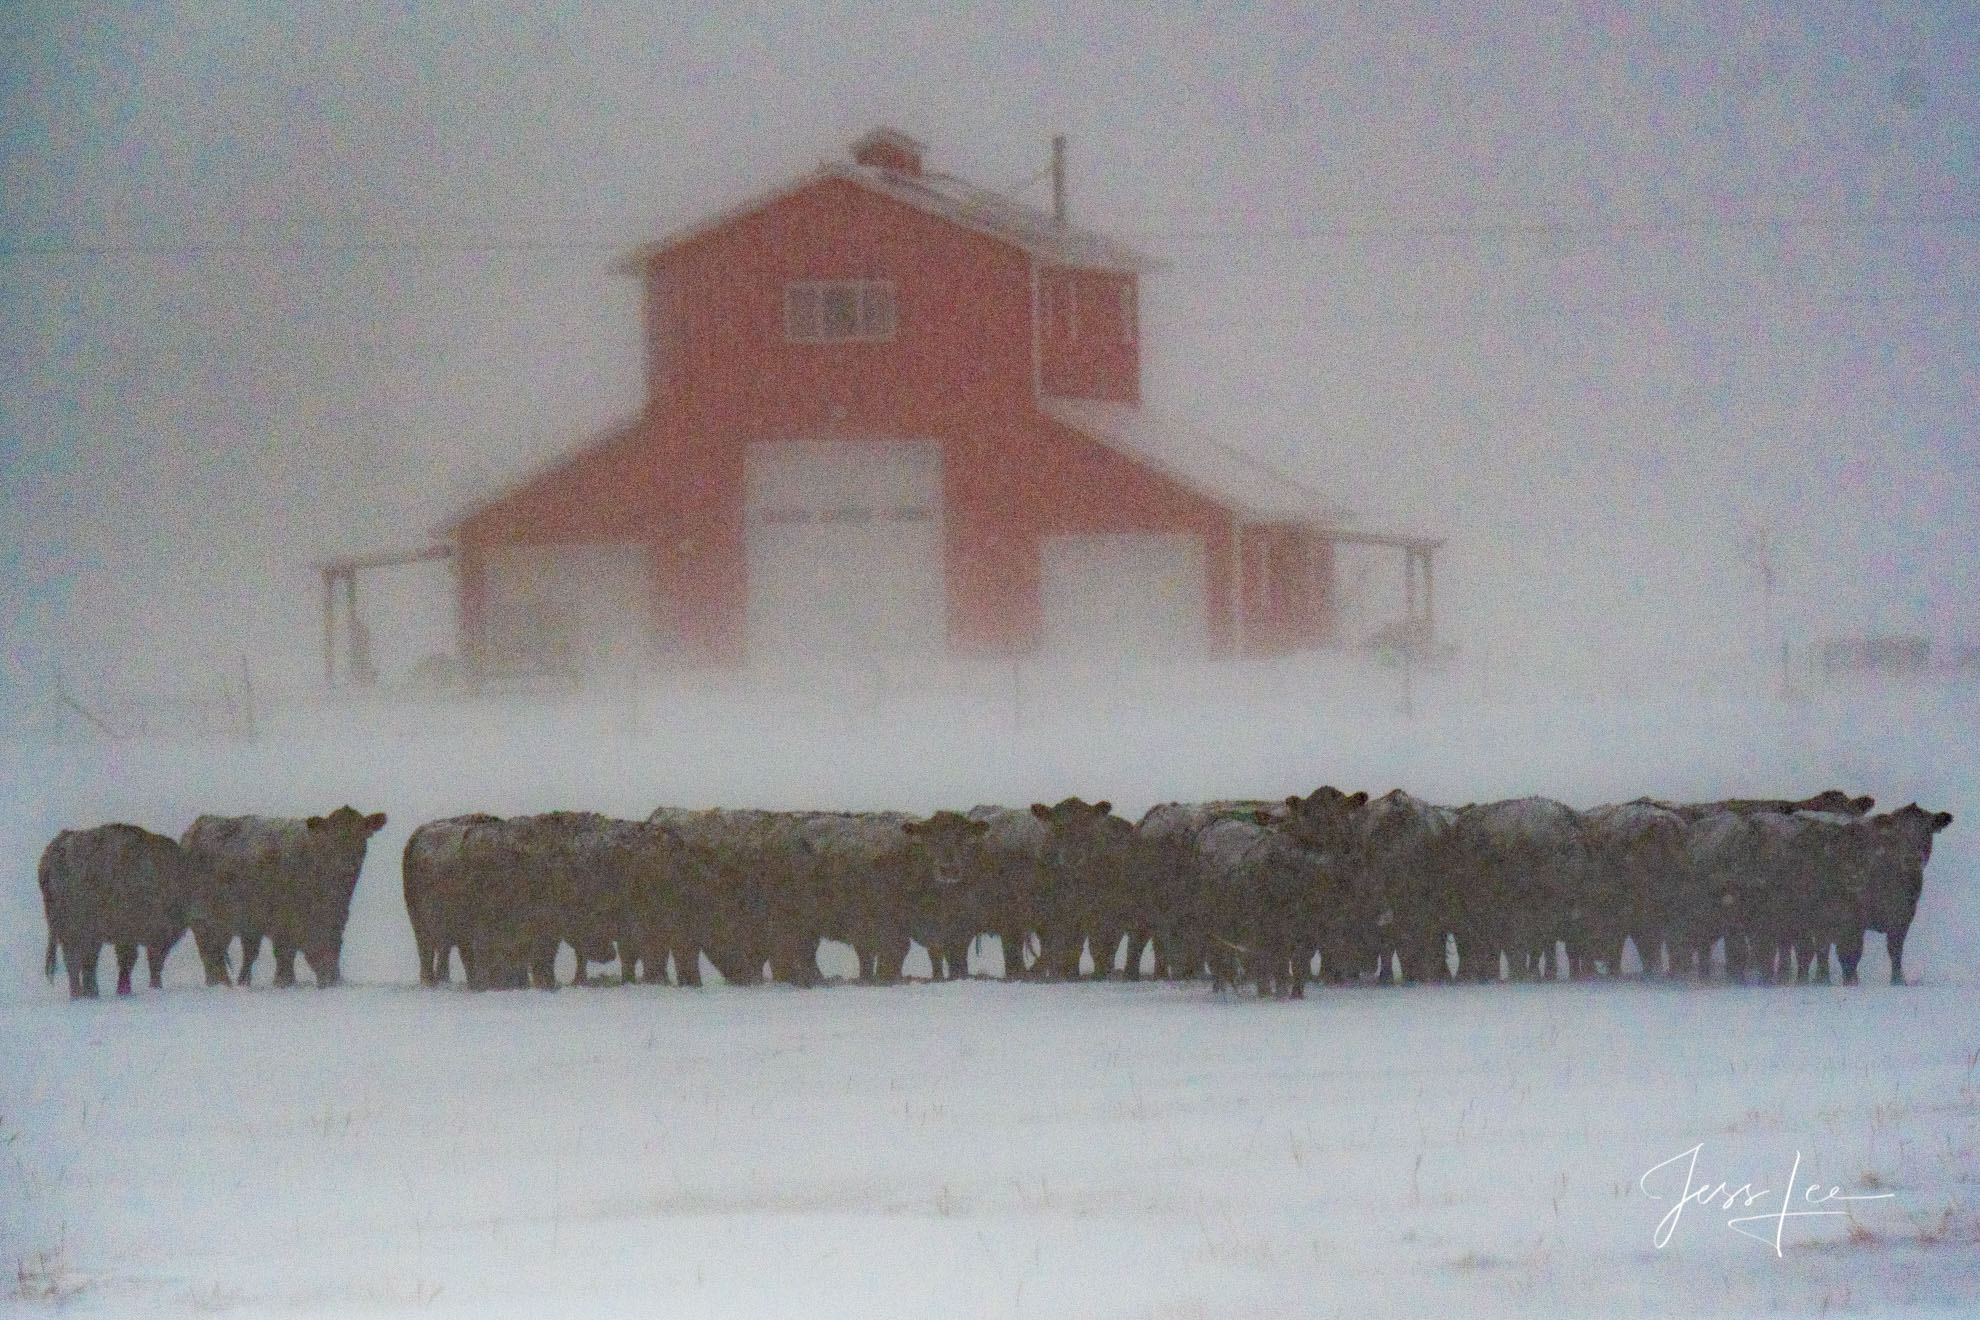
point(1258, 497)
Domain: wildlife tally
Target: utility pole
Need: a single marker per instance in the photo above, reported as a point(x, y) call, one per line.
point(1060, 213)
point(1756, 548)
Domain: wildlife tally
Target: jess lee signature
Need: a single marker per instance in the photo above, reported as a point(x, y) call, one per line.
point(1745, 1197)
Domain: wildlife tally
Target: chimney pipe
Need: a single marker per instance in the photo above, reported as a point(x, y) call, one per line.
point(1059, 177)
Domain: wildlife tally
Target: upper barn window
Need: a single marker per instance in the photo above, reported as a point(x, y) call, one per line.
point(819, 311)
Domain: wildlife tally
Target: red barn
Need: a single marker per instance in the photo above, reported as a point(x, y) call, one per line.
point(889, 413)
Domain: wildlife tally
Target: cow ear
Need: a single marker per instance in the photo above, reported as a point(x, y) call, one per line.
point(912, 827)
point(1360, 799)
point(314, 823)
point(1040, 810)
point(1863, 804)
point(1294, 801)
point(1941, 820)
point(374, 822)
point(1103, 808)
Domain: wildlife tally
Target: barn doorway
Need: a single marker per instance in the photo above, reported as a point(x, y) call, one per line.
point(1125, 596)
point(844, 551)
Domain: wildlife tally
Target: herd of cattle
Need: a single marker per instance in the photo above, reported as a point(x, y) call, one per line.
point(1241, 892)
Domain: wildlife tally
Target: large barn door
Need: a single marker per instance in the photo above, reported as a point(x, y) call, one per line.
point(1130, 595)
point(579, 611)
point(844, 548)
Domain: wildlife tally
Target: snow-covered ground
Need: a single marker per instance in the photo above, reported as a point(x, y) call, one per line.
point(991, 1149)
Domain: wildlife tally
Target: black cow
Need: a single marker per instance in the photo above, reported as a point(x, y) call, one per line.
point(1404, 896)
point(118, 885)
point(873, 886)
point(1523, 864)
point(1269, 899)
point(1084, 900)
point(447, 865)
point(860, 878)
point(1636, 856)
point(1900, 846)
point(290, 880)
point(510, 893)
point(1167, 886)
point(683, 901)
point(960, 903)
point(1057, 875)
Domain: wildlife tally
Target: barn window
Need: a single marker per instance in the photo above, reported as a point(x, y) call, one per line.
point(1059, 307)
point(821, 311)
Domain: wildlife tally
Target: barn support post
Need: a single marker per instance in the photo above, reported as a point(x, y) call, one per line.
point(329, 626)
point(360, 667)
point(1237, 590)
point(1417, 629)
point(1409, 585)
point(1429, 599)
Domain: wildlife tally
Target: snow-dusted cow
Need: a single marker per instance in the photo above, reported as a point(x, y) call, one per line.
point(119, 885)
point(290, 880)
point(1900, 846)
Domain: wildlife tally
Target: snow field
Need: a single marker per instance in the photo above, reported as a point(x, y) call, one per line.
point(981, 1148)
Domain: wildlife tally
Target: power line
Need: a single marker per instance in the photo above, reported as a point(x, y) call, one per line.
point(472, 244)
point(332, 247)
point(1555, 229)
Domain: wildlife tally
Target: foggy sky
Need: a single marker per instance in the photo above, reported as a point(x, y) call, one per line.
point(1595, 292)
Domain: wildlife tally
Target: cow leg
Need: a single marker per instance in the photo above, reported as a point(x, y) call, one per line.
point(126, 960)
point(80, 954)
point(1894, 941)
point(285, 964)
point(1045, 957)
point(323, 962)
point(1068, 969)
point(955, 958)
point(1138, 945)
point(687, 968)
point(154, 962)
point(250, 952)
point(541, 968)
point(797, 961)
point(212, 945)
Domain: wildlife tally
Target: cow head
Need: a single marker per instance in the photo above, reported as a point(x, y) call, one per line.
point(1325, 818)
point(1901, 844)
point(1072, 812)
point(1084, 839)
point(347, 821)
point(951, 840)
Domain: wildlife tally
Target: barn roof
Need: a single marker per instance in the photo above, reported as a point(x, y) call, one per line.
point(1252, 489)
point(1249, 487)
point(945, 196)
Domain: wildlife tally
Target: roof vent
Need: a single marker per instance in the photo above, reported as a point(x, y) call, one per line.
point(889, 149)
